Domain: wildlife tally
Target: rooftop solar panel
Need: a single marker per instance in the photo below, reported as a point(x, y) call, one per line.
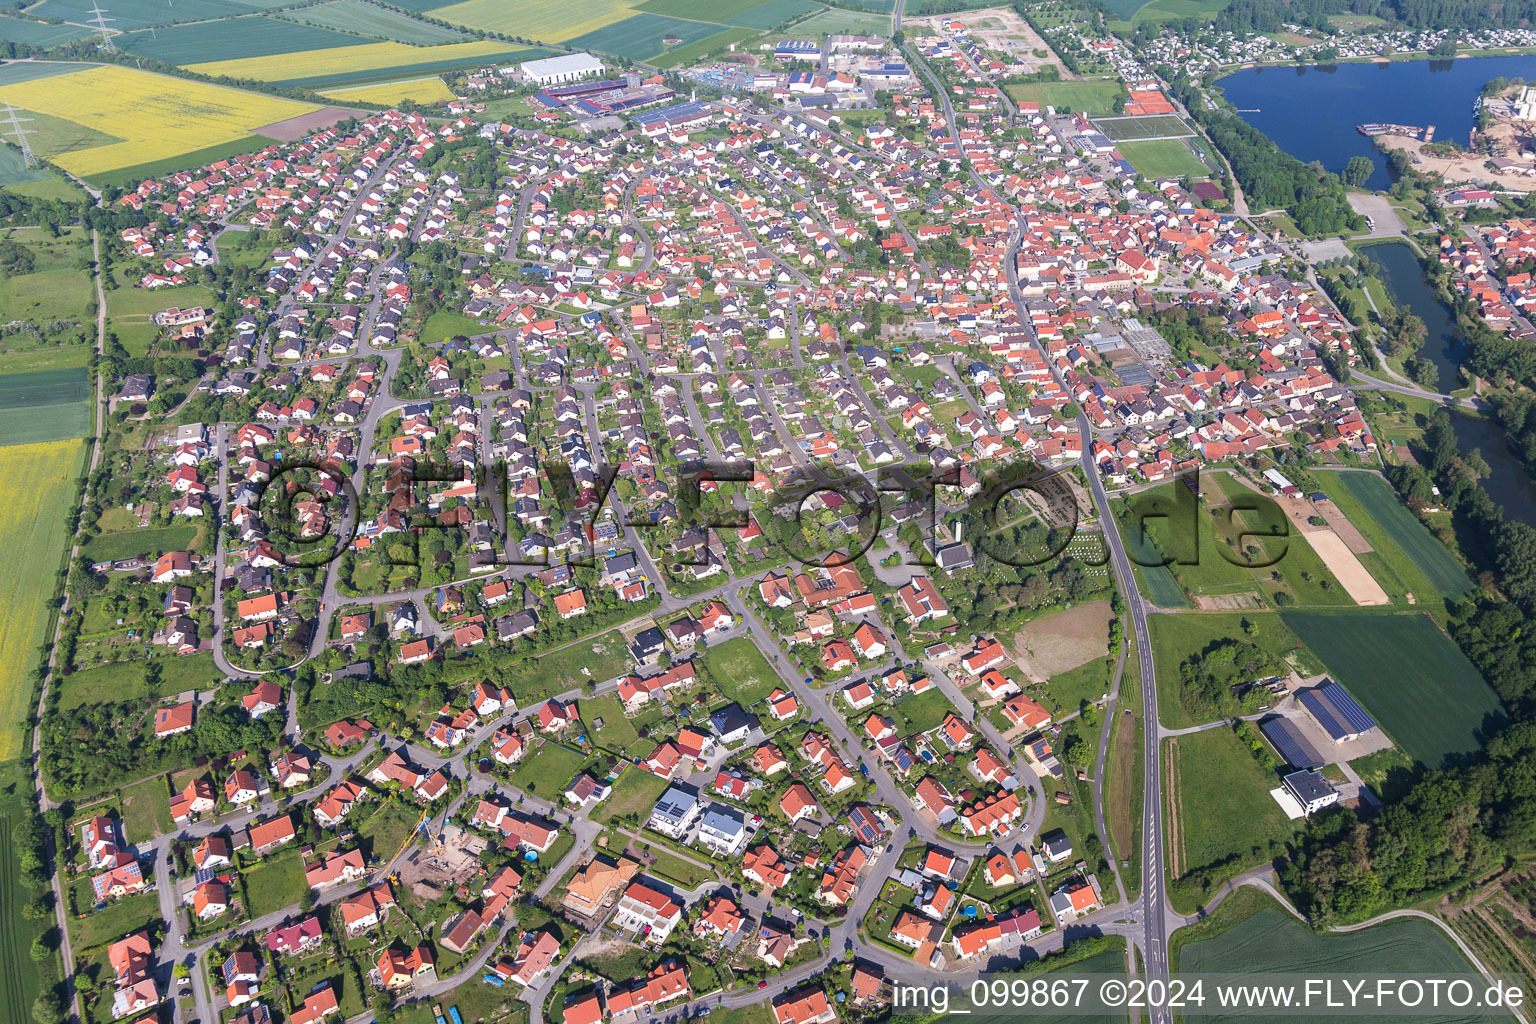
point(1288, 741)
point(1347, 706)
point(1333, 723)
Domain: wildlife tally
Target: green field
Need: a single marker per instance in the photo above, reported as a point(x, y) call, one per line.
point(47, 405)
point(1428, 555)
point(131, 14)
point(1177, 637)
point(1126, 129)
point(37, 33)
point(167, 165)
point(1138, 12)
point(1224, 819)
point(20, 977)
point(369, 20)
point(835, 20)
point(767, 15)
point(112, 547)
point(54, 289)
point(232, 39)
point(40, 485)
point(129, 311)
point(641, 36)
point(618, 732)
point(635, 793)
point(1409, 675)
point(122, 681)
point(1258, 936)
point(603, 656)
point(275, 883)
point(694, 52)
point(1163, 158)
point(545, 772)
point(17, 71)
point(1090, 96)
point(740, 671)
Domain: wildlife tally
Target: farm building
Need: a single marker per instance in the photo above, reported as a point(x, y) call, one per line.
point(1341, 717)
point(1293, 747)
point(1311, 790)
point(565, 68)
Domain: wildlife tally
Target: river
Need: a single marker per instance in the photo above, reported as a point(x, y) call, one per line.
point(1311, 112)
point(1508, 482)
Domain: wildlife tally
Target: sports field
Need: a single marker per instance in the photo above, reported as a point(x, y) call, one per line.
point(231, 38)
point(1118, 129)
point(39, 484)
point(1090, 96)
point(548, 21)
point(369, 62)
point(50, 405)
point(1409, 675)
point(643, 36)
point(1428, 555)
point(1271, 940)
point(369, 20)
point(1163, 158)
point(387, 94)
point(153, 116)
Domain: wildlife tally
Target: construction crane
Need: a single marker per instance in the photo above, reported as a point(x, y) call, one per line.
point(17, 133)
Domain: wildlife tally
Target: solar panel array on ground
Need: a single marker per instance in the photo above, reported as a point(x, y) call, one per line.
point(1294, 748)
point(1340, 715)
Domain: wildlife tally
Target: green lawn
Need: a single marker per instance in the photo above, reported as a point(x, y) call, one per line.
point(110, 923)
point(147, 809)
point(1089, 96)
point(1225, 820)
point(675, 869)
point(740, 671)
point(546, 772)
point(125, 680)
point(635, 793)
point(112, 547)
point(604, 656)
point(388, 827)
point(618, 733)
point(1163, 158)
point(1408, 674)
point(54, 289)
point(275, 883)
point(919, 712)
point(445, 324)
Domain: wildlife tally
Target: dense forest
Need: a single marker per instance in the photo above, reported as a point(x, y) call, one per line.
point(1456, 823)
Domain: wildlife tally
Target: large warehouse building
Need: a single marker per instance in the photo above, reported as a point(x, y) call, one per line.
point(565, 68)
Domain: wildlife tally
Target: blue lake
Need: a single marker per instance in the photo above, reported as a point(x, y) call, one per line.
point(1312, 112)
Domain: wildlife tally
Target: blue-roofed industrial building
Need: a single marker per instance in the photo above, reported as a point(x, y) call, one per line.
point(1340, 715)
point(797, 49)
point(1293, 747)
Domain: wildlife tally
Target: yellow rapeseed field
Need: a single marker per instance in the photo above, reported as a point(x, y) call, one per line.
point(339, 60)
point(544, 21)
point(421, 90)
point(156, 116)
point(38, 482)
